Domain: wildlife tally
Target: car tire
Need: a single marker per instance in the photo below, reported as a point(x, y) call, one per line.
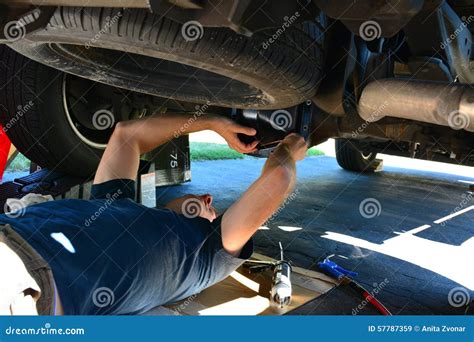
point(350, 158)
point(33, 116)
point(145, 52)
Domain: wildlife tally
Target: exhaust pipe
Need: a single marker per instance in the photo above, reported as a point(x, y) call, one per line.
point(432, 102)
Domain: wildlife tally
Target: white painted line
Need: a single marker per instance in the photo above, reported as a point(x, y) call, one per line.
point(415, 230)
point(457, 213)
point(289, 228)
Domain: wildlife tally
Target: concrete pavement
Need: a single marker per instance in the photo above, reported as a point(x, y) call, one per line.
point(408, 233)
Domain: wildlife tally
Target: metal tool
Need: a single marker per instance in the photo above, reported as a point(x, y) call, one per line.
point(334, 270)
point(281, 290)
point(280, 293)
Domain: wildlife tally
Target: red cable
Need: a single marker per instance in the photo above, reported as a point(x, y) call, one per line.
point(367, 296)
point(379, 306)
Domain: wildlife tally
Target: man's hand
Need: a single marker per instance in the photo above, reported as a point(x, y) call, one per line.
point(229, 130)
point(296, 146)
point(292, 149)
point(264, 196)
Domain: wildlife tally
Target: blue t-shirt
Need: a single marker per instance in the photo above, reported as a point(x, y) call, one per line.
point(110, 255)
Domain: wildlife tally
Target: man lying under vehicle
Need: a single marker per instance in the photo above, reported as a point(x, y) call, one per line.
point(130, 258)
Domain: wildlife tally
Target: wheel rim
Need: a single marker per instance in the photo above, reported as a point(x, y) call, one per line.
point(82, 132)
point(367, 156)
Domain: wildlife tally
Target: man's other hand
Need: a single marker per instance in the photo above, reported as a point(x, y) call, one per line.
point(295, 145)
point(229, 130)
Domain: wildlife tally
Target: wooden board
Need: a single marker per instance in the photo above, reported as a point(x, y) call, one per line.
point(248, 294)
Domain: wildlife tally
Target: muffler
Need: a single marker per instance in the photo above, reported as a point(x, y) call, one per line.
point(432, 102)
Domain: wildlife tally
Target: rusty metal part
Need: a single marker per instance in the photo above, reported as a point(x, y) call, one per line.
point(395, 136)
point(325, 126)
point(384, 17)
point(241, 16)
point(457, 41)
point(432, 102)
point(340, 62)
point(439, 32)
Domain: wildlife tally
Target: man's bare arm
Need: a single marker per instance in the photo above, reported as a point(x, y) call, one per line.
point(264, 196)
point(133, 138)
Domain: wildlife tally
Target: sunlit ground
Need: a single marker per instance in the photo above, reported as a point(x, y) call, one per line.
point(407, 163)
point(329, 150)
point(445, 259)
point(432, 255)
point(435, 256)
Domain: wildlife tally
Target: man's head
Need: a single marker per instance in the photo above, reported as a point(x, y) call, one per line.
point(193, 206)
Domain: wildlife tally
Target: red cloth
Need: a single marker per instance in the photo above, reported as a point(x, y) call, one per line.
point(4, 149)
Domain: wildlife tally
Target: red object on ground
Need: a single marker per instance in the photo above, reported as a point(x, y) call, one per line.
point(368, 296)
point(4, 149)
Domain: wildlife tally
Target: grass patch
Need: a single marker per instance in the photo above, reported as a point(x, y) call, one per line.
point(20, 163)
point(210, 151)
point(199, 151)
point(313, 151)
